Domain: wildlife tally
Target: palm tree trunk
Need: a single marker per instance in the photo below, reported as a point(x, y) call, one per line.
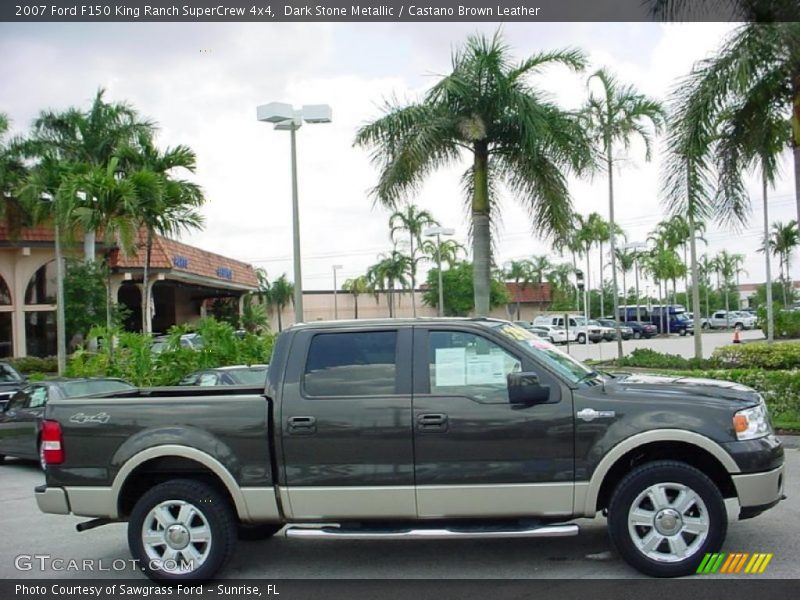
point(612, 246)
point(636, 275)
point(280, 323)
point(355, 304)
point(686, 279)
point(698, 338)
point(796, 137)
point(413, 279)
point(577, 291)
point(602, 311)
point(588, 301)
point(481, 240)
point(770, 322)
point(146, 287)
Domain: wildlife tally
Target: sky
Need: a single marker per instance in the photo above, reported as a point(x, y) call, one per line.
point(201, 82)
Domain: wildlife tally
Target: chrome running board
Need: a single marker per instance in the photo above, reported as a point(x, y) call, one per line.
point(329, 532)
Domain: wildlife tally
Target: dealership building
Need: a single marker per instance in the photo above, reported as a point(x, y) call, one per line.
point(183, 280)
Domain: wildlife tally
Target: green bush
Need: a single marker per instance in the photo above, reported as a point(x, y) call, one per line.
point(34, 364)
point(650, 359)
point(787, 323)
point(133, 360)
point(759, 355)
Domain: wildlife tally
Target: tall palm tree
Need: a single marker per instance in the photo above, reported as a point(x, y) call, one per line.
point(728, 264)
point(281, 292)
point(560, 278)
point(12, 172)
point(522, 273)
point(614, 117)
point(166, 205)
point(625, 262)
point(783, 241)
point(356, 286)
point(753, 135)
point(413, 221)
point(86, 140)
point(487, 109)
point(384, 275)
point(539, 265)
point(757, 57)
point(450, 251)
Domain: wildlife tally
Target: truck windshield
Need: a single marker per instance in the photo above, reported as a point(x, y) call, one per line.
point(554, 358)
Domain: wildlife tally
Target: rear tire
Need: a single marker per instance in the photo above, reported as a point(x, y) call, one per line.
point(182, 530)
point(683, 333)
point(664, 517)
point(636, 335)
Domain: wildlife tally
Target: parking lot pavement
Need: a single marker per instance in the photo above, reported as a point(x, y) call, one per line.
point(673, 344)
point(26, 531)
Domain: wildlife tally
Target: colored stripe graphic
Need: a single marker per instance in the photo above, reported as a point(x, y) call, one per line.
point(734, 562)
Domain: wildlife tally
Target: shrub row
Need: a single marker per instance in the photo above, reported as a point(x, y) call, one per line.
point(33, 364)
point(781, 389)
point(133, 360)
point(758, 355)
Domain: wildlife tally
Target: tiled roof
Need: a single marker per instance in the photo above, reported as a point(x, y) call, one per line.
point(167, 254)
point(532, 292)
point(183, 258)
point(752, 287)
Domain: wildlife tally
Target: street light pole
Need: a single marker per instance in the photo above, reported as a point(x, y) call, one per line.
point(298, 272)
point(438, 232)
point(287, 118)
point(335, 301)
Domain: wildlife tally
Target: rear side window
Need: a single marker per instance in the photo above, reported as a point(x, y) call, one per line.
point(351, 364)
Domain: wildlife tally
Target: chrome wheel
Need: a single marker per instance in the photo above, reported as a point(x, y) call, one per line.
point(668, 522)
point(176, 536)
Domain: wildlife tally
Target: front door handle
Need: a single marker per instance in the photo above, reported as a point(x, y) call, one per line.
point(432, 422)
point(302, 425)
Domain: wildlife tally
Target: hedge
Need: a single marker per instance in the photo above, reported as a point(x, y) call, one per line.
point(758, 355)
point(33, 364)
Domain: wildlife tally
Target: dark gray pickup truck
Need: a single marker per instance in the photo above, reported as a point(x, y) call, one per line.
point(406, 429)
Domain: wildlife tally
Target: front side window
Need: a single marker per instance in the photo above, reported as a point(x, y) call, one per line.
point(352, 364)
point(465, 364)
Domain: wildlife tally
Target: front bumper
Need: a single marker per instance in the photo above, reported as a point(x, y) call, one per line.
point(51, 500)
point(759, 491)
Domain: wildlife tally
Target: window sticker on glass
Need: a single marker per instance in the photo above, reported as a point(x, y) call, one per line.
point(486, 369)
point(450, 366)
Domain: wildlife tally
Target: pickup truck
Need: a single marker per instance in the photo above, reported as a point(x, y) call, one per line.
point(733, 319)
point(415, 429)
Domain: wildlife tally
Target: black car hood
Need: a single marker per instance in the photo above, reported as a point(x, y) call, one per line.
point(661, 387)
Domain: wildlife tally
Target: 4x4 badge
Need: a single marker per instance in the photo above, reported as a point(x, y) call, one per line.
point(82, 418)
point(590, 414)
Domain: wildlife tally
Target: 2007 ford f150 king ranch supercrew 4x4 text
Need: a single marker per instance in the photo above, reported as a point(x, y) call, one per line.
point(443, 428)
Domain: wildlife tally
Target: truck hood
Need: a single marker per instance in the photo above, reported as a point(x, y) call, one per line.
point(663, 387)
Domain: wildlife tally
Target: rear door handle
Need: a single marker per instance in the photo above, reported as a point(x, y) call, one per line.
point(302, 425)
point(432, 422)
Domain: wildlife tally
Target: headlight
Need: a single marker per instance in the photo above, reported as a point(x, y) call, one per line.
point(751, 423)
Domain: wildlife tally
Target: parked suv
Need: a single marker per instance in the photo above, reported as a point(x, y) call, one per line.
point(625, 331)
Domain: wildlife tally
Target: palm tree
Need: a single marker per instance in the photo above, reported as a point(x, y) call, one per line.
point(783, 241)
point(728, 265)
point(758, 59)
point(281, 292)
point(487, 109)
point(560, 278)
point(390, 270)
point(625, 262)
point(12, 173)
point(521, 272)
point(165, 205)
point(450, 251)
point(410, 219)
point(86, 140)
point(753, 135)
point(356, 286)
point(614, 117)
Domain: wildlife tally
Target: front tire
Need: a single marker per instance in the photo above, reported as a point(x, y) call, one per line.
point(182, 530)
point(581, 338)
point(636, 335)
point(664, 516)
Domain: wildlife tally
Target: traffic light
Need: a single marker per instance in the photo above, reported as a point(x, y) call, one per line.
point(579, 279)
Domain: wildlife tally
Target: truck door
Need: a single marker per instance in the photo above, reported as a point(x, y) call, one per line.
point(476, 454)
point(345, 417)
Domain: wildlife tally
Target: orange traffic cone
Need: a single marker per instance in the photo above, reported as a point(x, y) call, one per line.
point(736, 339)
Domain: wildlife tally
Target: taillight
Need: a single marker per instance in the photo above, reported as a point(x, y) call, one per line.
point(52, 443)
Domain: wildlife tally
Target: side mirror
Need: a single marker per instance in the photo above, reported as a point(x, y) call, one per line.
point(525, 389)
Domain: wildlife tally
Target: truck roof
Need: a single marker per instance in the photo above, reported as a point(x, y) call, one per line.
point(350, 323)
